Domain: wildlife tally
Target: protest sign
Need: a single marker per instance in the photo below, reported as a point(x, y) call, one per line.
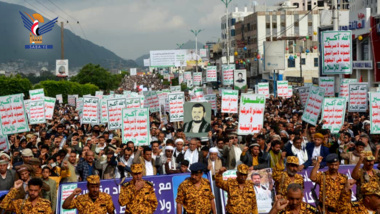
point(343, 92)
point(135, 126)
point(197, 78)
point(282, 88)
point(115, 106)
point(197, 94)
point(13, 114)
point(251, 113)
point(71, 100)
point(90, 110)
point(79, 103)
point(211, 74)
point(374, 112)
point(263, 88)
point(333, 111)
point(228, 74)
point(59, 98)
point(103, 111)
point(49, 107)
point(328, 83)
point(290, 91)
point(175, 88)
point(176, 102)
point(37, 111)
point(304, 94)
point(336, 52)
point(4, 144)
point(313, 105)
point(358, 97)
point(99, 94)
point(166, 187)
point(240, 79)
point(187, 76)
point(152, 101)
point(197, 119)
point(133, 102)
point(37, 94)
point(180, 79)
point(230, 100)
point(211, 98)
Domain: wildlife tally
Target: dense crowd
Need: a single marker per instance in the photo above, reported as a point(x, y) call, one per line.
point(147, 81)
point(64, 151)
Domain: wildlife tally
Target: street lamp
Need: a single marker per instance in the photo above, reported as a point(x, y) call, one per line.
point(226, 3)
point(196, 32)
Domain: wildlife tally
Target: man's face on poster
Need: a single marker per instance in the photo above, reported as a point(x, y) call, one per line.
point(197, 114)
point(256, 180)
point(240, 76)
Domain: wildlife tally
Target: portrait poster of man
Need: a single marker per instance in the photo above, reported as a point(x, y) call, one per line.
point(263, 185)
point(197, 119)
point(240, 79)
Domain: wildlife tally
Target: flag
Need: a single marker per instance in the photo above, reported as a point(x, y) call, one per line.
point(361, 79)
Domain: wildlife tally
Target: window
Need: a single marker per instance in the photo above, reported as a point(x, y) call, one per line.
point(303, 61)
point(316, 62)
point(233, 32)
point(291, 63)
point(233, 21)
point(296, 4)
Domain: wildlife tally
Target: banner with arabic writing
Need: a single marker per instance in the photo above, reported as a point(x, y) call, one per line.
point(358, 98)
point(135, 126)
point(197, 78)
point(228, 74)
point(49, 107)
point(282, 88)
point(90, 110)
point(336, 52)
point(343, 92)
point(328, 83)
point(304, 94)
point(263, 88)
point(313, 105)
point(374, 107)
point(333, 112)
point(230, 100)
point(13, 115)
point(251, 113)
point(211, 74)
point(37, 111)
point(37, 94)
point(115, 107)
point(176, 101)
point(211, 98)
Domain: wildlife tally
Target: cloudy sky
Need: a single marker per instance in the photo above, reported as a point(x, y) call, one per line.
point(131, 28)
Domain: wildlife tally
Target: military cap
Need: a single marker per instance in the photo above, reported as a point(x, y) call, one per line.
point(34, 161)
point(243, 169)
point(136, 168)
point(197, 167)
point(319, 135)
point(292, 160)
point(371, 188)
point(93, 179)
point(368, 156)
point(331, 158)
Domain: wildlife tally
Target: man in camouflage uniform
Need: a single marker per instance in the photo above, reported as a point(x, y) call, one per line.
point(32, 205)
point(138, 195)
point(241, 195)
point(367, 174)
point(293, 202)
point(94, 202)
point(194, 194)
point(284, 178)
point(331, 183)
point(369, 204)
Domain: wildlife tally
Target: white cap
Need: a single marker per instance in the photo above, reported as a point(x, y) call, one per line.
point(178, 140)
point(169, 148)
point(213, 150)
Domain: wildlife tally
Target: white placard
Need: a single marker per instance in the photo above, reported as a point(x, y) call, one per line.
point(251, 113)
point(115, 107)
point(36, 94)
point(313, 105)
point(358, 97)
point(328, 83)
point(333, 112)
point(90, 110)
point(176, 102)
point(37, 112)
point(230, 100)
point(282, 88)
point(49, 107)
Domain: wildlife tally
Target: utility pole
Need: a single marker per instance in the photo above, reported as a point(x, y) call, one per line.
point(196, 32)
point(62, 43)
point(335, 19)
point(226, 3)
point(301, 50)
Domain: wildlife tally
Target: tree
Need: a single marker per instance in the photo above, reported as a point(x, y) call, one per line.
point(99, 76)
point(14, 85)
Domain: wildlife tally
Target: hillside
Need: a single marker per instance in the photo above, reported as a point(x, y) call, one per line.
point(14, 37)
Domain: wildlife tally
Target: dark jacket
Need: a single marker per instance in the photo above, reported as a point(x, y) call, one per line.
point(263, 160)
point(310, 149)
point(205, 126)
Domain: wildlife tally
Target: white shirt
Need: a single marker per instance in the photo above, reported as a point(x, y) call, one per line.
point(191, 156)
point(316, 152)
point(238, 152)
point(195, 128)
point(148, 168)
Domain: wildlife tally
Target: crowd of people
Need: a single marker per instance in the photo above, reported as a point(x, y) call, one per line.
point(148, 81)
point(64, 150)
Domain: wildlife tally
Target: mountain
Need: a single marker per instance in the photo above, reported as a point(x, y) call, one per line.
point(188, 45)
point(79, 51)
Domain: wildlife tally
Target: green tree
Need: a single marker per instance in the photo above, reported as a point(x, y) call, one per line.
point(14, 85)
point(99, 76)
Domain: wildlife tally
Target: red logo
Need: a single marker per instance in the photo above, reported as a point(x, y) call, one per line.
point(361, 15)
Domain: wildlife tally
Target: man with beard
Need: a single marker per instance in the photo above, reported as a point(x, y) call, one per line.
point(284, 178)
point(138, 195)
point(367, 174)
point(198, 124)
point(370, 203)
point(293, 202)
point(33, 204)
point(194, 194)
point(275, 153)
point(94, 202)
point(331, 183)
point(262, 192)
point(241, 195)
point(7, 177)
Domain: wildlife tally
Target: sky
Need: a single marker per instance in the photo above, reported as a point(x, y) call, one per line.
point(130, 28)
